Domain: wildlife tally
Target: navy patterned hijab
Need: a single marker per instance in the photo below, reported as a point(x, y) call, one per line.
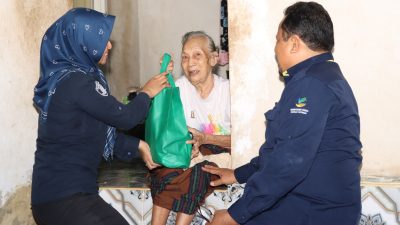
point(75, 42)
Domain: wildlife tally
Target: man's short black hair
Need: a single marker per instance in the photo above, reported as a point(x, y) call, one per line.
point(312, 23)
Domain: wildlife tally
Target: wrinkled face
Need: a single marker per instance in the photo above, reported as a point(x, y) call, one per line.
point(103, 59)
point(197, 61)
point(282, 50)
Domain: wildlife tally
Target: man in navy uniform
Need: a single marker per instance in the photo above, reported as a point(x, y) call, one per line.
point(307, 171)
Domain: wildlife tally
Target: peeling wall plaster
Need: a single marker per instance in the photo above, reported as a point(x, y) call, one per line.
point(22, 24)
point(17, 209)
point(251, 55)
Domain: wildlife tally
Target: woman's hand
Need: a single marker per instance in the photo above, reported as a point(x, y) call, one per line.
point(226, 176)
point(144, 151)
point(198, 136)
point(203, 138)
point(155, 84)
point(195, 148)
point(170, 67)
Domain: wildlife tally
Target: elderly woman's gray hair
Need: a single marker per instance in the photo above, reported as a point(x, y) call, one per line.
point(194, 34)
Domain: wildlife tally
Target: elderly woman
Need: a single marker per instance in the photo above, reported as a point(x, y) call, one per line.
point(206, 102)
point(78, 121)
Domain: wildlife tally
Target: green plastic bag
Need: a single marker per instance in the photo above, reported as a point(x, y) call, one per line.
point(165, 128)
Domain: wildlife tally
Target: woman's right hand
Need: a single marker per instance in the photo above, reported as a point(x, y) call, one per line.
point(170, 67)
point(144, 150)
point(155, 84)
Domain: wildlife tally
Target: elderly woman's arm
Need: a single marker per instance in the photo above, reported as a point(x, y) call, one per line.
point(203, 138)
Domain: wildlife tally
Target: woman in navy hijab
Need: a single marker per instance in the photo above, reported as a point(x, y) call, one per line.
point(78, 121)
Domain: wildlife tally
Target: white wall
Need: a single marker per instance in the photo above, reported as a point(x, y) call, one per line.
point(22, 24)
point(367, 48)
point(162, 25)
point(253, 74)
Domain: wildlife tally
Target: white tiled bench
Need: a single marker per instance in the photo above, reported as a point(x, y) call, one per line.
point(125, 187)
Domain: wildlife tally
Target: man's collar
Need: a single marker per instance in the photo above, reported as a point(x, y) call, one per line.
point(323, 57)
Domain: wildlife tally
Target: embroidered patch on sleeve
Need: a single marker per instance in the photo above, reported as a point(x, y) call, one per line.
point(100, 89)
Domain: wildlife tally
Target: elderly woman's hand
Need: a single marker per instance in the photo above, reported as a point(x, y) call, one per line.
point(195, 148)
point(144, 150)
point(198, 136)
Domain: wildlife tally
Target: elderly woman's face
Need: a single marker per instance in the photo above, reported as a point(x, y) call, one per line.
point(197, 61)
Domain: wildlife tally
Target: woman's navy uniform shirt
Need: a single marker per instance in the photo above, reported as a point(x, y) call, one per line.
point(307, 171)
point(70, 143)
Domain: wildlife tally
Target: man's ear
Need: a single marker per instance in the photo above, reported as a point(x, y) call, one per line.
point(214, 58)
point(295, 42)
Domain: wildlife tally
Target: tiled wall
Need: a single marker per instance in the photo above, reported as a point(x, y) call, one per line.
point(381, 205)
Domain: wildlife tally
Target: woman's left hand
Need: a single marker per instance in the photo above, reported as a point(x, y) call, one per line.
point(144, 150)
